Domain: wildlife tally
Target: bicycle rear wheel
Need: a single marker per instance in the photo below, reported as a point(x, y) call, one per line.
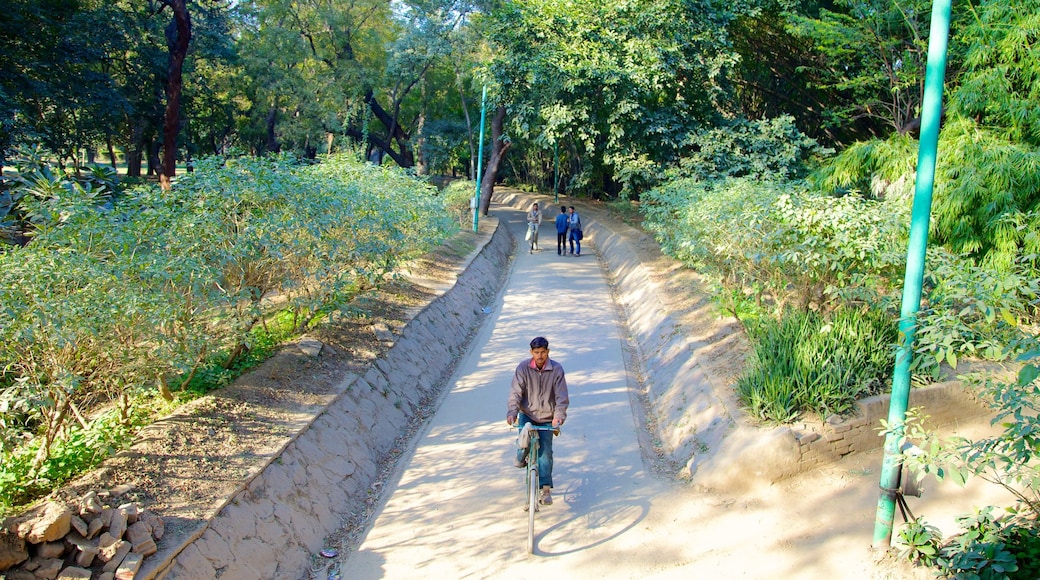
point(532, 505)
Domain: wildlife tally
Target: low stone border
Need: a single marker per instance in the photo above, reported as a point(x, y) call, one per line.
point(325, 474)
point(694, 416)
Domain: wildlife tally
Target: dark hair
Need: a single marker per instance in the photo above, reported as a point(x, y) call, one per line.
point(539, 342)
point(563, 208)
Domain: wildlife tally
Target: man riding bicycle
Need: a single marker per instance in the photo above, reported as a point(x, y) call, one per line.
point(538, 395)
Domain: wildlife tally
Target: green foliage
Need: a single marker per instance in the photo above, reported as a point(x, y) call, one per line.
point(458, 198)
point(787, 244)
point(764, 149)
point(872, 54)
point(781, 246)
point(184, 290)
point(987, 194)
point(973, 312)
point(1024, 542)
point(990, 546)
point(920, 542)
point(805, 362)
point(618, 85)
point(987, 179)
point(1000, 81)
point(877, 168)
point(81, 449)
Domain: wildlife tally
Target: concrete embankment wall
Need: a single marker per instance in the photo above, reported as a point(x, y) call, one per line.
point(273, 525)
point(692, 413)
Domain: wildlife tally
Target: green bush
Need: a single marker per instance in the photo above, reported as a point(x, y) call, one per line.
point(786, 243)
point(182, 288)
point(458, 198)
point(990, 546)
point(807, 362)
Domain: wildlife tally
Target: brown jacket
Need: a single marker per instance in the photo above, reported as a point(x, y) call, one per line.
point(539, 394)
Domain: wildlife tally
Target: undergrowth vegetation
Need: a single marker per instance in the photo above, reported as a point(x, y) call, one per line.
point(121, 296)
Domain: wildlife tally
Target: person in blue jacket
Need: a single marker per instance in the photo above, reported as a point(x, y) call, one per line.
point(561, 231)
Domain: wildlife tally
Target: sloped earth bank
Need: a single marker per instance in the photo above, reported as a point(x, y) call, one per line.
point(254, 481)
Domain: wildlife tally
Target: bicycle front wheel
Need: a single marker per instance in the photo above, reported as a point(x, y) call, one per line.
point(532, 506)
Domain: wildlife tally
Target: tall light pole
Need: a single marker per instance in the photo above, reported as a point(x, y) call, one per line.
point(556, 164)
point(931, 112)
point(480, 161)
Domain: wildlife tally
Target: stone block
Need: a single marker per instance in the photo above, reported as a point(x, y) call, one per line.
point(155, 523)
point(138, 532)
point(74, 573)
point(89, 504)
point(79, 525)
point(116, 556)
point(145, 548)
point(12, 550)
point(50, 550)
point(94, 527)
point(128, 568)
point(49, 568)
point(131, 511)
point(52, 523)
point(117, 527)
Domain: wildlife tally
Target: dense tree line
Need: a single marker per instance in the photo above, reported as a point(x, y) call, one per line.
point(613, 97)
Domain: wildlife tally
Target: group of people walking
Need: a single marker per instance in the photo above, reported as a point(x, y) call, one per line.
point(568, 230)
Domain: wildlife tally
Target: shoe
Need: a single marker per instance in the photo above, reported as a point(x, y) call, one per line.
point(578, 254)
point(545, 498)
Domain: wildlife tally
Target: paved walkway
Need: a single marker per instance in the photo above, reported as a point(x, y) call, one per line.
point(457, 509)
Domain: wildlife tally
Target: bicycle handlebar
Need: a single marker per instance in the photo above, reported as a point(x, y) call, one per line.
point(534, 427)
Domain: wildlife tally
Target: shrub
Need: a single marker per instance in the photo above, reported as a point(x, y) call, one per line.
point(808, 362)
point(172, 289)
point(991, 546)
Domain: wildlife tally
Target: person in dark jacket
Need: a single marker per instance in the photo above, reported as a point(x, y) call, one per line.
point(561, 231)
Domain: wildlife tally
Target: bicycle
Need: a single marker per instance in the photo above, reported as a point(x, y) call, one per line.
point(532, 236)
point(529, 436)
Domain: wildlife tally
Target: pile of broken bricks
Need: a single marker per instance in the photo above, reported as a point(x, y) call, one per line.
point(84, 540)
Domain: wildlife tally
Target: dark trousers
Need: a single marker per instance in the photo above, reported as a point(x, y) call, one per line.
point(561, 242)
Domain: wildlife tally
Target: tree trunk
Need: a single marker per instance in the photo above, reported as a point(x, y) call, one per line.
point(272, 145)
point(134, 155)
point(112, 152)
point(178, 37)
point(498, 151)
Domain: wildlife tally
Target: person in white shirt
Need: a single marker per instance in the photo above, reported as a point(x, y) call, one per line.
point(534, 221)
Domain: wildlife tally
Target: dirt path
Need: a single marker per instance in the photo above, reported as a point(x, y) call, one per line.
point(455, 504)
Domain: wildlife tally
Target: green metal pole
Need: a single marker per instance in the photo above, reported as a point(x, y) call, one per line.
point(480, 161)
point(556, 164)
point(931, 113)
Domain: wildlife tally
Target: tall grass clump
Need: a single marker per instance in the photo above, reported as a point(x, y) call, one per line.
point(807, 362)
